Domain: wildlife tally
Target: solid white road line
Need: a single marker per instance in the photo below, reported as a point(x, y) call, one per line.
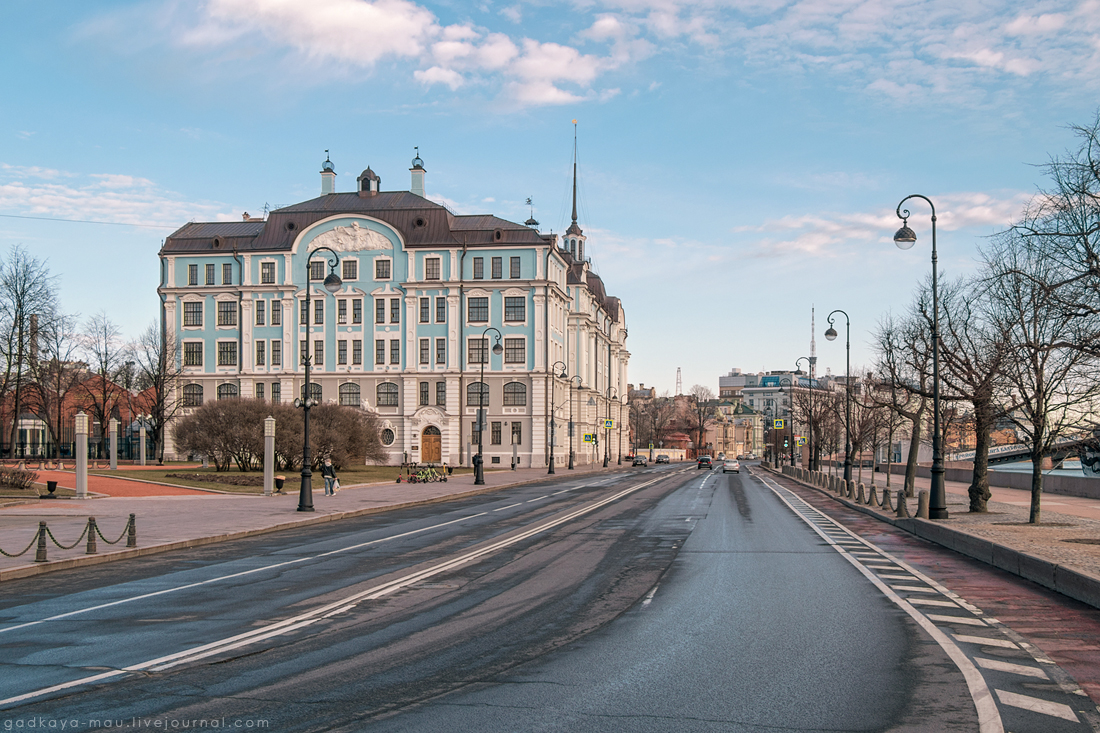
point(1035, 705)
point(986, 641)
point(1020, 669)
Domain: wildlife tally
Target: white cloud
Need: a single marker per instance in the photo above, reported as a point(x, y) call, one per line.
point(513, 13)
point(439, 75)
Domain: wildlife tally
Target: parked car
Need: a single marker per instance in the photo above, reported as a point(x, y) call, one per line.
point(662, 459)
point(731, 466)
point(704, 462)
point(641, 461)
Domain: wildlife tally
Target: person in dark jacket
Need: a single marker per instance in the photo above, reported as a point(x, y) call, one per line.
point(328, 472)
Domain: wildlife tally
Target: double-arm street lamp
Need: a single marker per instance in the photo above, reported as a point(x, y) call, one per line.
point(483, 402)
point(905, 238)
point(790, 413)
point(619, 399)
point(831, 335)
point(810, 407)
point(332, 283)
point(554, 409)
point(572, 427)
point(607, 430)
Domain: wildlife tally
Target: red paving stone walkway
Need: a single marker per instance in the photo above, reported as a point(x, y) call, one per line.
point(115, 486)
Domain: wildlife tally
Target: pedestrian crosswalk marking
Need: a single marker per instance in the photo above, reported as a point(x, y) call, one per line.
point(914, 589)
point(931, 602)
point(986, 641)
point(896, 577)
point(1020, 669)
point(966, 621)
point(1036, 705)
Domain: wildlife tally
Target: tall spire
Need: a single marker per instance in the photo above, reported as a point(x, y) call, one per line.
point(574, 228)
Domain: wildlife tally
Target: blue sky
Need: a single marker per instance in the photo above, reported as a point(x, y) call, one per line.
point(740, 161)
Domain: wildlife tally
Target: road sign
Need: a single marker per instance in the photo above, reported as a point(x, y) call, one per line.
point(778, 423)
point(589, 437)
point(651, 446)
point(609, 424)
point(801, 439)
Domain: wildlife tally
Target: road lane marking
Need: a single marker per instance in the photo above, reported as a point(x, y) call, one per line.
point(956, 619)
point(508, 507)
point(1035, 705)
point(895, 577)
point(914, 588)
point(538, 499)
point(310, 617)
point(649, 596)
point(1020, 669)
point(932, 602)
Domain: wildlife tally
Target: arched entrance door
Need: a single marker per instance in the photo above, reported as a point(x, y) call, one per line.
point(431, 445)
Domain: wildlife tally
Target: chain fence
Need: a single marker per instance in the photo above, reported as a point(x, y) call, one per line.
point(89, 534)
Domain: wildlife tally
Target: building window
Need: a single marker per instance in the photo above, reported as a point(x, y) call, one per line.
point(424, 393)
point(478, 351)
point(192, 395)
point(192, 314)
point(351, 272)
point(441, 351)
point(267, 273)
point(315, 392)
point(395, 351)
point(515, 351)
point(193, 278)
point(475, 433)
point(227, 313)
point(380, 311)
point(261, 355)
point(517, 432)
point(227, 391)
point(494, 433)
point(357, 311)
point(209, 274)
point(381, 269)
point(349, 395)
point(318, 312)
point(473, 390)
point(319, 353)
point(261, 316)
point(387, 394)
point(259, 390)
point(276, 313)
point(303, 350)
point(276, 392)
point(227, 274)
point(513, 268)
point(431, 268)
point(192, 353)
point(341, 352)
point(388, 437)
point(441, 394)
point(425, 309)
point(515, 394)
point(479, 268)
point(498, 268)
point(395, 310)
point(356, 352)
point(317, 270)
point(276, 354)
point(303, 314)
point(440, 310)
point(515, 309)
point(227, 353)
point(425, 351)
point(477, 310)
point(341, 311)
point(379, 352)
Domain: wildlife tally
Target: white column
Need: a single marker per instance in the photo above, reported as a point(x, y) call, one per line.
point(81, 455)
point(269, 454)
point(112, 426)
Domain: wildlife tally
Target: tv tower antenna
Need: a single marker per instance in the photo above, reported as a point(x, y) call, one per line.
point(679, 383)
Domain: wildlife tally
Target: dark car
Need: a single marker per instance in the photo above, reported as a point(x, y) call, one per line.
point(662, 459)
point(705, 462)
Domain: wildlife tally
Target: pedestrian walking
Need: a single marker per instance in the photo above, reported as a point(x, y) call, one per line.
point(328, 473)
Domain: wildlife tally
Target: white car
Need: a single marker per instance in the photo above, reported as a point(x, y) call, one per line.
point(731, 466)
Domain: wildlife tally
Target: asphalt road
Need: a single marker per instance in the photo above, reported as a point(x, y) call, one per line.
point(659, 600)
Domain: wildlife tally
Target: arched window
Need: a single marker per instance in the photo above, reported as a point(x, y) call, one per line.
point(515, 394)
point(387, 437)
point(227, 391)
point(477, 394)
point(192, 395)
point(349, 395)
point(314, 392)
point(387, 394)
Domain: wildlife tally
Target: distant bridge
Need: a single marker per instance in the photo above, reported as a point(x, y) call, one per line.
point(1067, 447)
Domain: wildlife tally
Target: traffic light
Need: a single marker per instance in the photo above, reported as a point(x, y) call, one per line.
point(785, 443)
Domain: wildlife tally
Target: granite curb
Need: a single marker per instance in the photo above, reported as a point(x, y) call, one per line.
point(1075, 584)
point(33, 569)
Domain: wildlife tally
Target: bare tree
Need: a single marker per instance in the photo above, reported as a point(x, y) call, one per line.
point(27, 290)
point(57, 371)
point(159, 367)
point(106, 354)
point(702, 412)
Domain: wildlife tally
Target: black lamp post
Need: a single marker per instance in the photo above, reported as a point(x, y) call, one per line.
point(553, 410)
point(790, 413)
point(905, 238)
point(607, 430)
point(332, 284)
point(620, 401)
point(810, 408)
point(831, 335)
point(483, 403)
point(572, 427)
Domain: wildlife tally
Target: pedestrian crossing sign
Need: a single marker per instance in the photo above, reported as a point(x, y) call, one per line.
point(589, 437)
point(779, 423)
point(609, 424)
point(800, 440)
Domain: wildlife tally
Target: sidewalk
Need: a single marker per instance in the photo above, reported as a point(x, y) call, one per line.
point(1062, 553)
point(191, 518)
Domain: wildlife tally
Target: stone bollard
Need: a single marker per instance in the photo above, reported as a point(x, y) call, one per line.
point(91, 548)
point(922, 504)
point(872, 496)
point(903, 508)
point(886, 501)
point(40, 553)
point(131, 539)
point(861, 497)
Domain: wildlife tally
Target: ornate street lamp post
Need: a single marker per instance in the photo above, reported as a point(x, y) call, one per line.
point(572, 427)
point(620, 401)
point(790, 413)
point(483, 402)
point(607, 430)
point(332, 284)
point(810, 408)
point(831, 335)
point(553, 409)
point(905, 238)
